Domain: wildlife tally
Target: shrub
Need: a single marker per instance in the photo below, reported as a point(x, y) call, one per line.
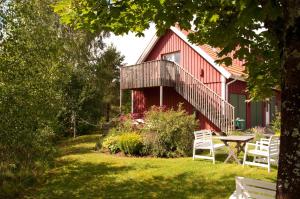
point(99, 142)
point(149, 140)
point(276, 124)
point(174, 131)
point(130, 143)
point(236, 132)
point(111, 143)
point(126, 124)
point(259, 132)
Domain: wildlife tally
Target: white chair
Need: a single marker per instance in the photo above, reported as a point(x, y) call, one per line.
point(203, 140)
point(265, 152)
point(251, 188)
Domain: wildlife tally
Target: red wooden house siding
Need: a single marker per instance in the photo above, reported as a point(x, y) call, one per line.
point(193, 63)
point(189, 59)
point(146, 97)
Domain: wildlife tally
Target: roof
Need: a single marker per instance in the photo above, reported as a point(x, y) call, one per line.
point(210, 54)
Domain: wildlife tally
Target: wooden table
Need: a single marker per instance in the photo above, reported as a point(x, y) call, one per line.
point(240, 145)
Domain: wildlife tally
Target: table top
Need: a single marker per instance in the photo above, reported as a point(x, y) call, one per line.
point(237, 138)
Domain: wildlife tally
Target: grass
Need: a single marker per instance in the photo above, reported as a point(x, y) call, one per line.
point(83, 173)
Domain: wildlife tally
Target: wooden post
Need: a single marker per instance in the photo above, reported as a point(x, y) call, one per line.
point(131, 101)
point(121, 76)
point(121, 96)
point(161, 97)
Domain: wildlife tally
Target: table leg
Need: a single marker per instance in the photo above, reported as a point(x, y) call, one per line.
point(231, 154)
point(241, 147)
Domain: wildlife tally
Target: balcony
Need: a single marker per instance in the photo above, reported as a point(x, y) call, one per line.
point(148, 74)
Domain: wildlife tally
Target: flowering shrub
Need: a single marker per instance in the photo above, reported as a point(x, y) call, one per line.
point(130, 143)
point(111, 143)
point(166, 133)
point(173, 132)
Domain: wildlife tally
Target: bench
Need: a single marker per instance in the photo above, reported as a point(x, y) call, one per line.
point(251, 188)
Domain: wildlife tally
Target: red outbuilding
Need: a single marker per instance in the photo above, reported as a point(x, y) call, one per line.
point(172, 70)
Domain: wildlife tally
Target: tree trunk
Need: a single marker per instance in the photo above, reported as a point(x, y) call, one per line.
point(288, 180)
point(73, 119)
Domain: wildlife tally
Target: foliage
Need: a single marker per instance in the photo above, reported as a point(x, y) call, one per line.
point(47, 73)
point(130, 143)
point(258, 132)
point(25, 168)
point(276, 124)
point(236, 132)
point(174, 131)
point(150, 143)
point(111, 143)
point(92, 89)
point(31, 73)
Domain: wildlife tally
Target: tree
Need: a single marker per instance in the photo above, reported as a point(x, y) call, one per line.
point(31, 72)
point(265, 33)
point(92, 90)
point(39, 60)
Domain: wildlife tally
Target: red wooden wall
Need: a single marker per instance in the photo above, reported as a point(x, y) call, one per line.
point(189, 59)
point(146, 97)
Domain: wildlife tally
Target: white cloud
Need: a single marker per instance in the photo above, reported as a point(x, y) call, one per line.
point(131, 46)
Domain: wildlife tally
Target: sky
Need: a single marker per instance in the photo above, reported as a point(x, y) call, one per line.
point(131, 46)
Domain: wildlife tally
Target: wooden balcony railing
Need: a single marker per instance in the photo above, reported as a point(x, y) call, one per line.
point(166, 73)
point(147, 74)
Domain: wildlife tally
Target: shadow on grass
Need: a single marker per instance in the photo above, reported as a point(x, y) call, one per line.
point(109, 179)
point(85, 180)
point(81, 139)
point(79, 145)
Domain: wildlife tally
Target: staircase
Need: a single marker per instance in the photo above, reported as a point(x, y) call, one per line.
point(166, 73)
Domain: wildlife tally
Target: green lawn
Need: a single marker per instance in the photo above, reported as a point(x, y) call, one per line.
point(84, 173)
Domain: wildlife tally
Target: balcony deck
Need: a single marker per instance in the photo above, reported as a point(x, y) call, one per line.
point(148, 74)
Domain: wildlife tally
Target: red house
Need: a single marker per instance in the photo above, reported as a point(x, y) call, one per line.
point(172, 70)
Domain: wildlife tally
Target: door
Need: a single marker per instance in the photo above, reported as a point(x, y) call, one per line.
point(239, 103)
point(256, 114)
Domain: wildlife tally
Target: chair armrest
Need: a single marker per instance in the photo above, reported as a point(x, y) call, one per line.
point(250, 144)
point(264, 139)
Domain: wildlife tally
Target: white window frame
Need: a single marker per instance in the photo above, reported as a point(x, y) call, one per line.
point(172, 57)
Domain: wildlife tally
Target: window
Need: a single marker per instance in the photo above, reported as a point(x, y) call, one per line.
point(174, 57)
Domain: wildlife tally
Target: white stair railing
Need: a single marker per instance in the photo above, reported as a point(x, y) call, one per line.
point(204, 99)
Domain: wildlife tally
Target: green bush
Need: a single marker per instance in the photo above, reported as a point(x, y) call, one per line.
point(149, 141)
point(258, 132)
point(111, 143)
point(174, 132)
point(130, 143)
point(276, 124)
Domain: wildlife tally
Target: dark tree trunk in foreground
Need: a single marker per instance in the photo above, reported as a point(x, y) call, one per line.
point(288, 181)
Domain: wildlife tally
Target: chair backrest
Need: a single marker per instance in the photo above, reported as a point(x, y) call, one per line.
point(274, 145)
point(251, 188)
point(203, 135)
